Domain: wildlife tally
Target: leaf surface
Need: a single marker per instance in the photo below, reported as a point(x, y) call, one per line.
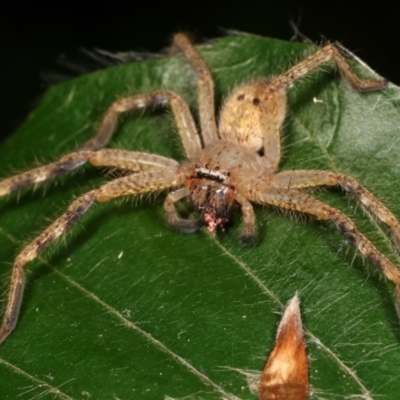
point(127, 308)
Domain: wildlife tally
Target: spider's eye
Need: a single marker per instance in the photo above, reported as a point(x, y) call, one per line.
point(208, 166)
point(240, 97)
point(256, 101)
point(216, 168)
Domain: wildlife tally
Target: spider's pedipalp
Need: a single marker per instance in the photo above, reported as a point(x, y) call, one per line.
point(180, 224)
point(249, 232)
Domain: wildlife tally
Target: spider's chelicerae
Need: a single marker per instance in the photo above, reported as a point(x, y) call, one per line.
point(234, 162)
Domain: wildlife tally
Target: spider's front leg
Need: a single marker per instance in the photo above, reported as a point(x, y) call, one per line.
point(61, 167)
point(121, 159)
point(205, 85)
point(134, 184)
point(304, 203)
point(183, 118)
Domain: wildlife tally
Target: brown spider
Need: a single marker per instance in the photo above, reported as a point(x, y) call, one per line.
point(234, 163)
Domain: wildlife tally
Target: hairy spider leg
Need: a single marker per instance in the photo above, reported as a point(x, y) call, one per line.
point(37, 175)
point(69, 162)
point(254, 113)
point(129, 185)
point(248, 234)
point(310, 178)
point(314, 61)
point(205, 86)
point(297, 201)
point(183, 118)
point(180, 224)
point(122, 159)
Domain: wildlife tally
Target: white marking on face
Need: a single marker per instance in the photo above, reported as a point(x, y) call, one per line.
point(211, 173)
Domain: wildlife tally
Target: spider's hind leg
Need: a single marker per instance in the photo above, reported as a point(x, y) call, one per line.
point(31, 251)
point(324, 55)
point(299, 179)
point(129, 185)
point(304, 203)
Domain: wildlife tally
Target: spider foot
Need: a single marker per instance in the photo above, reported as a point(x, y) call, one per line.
point(248, 235)
point(187, 225)
point(4, 332)
point(247, 240)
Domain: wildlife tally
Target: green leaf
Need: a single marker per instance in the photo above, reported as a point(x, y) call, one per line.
point(127, 308)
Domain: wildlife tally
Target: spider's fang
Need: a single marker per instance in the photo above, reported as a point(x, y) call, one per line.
point(212, 197)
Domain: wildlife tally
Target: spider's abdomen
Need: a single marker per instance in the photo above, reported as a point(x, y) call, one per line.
point(251, 113)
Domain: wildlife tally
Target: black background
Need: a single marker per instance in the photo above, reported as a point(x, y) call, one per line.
point(35, 34)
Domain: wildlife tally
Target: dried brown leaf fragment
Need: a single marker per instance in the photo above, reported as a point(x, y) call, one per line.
point(285, 376)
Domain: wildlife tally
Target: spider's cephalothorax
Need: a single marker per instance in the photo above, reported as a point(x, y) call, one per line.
point(215, 175)
point(235, 163)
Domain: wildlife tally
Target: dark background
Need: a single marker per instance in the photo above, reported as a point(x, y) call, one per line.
point(34, 35)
